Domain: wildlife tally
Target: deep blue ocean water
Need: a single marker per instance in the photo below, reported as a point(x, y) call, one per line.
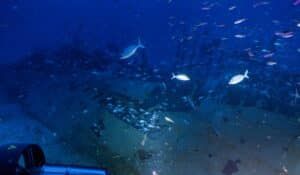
point(154, 87)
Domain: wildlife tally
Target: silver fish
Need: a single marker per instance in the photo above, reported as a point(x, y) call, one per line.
point(131, 50)
point(181, 77)
point(238, 78)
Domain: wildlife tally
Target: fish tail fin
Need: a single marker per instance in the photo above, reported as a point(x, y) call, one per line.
point(246, 74)
point(140, 44)
point(173, 76)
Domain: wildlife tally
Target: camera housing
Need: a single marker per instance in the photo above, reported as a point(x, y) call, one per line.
point(29, 159)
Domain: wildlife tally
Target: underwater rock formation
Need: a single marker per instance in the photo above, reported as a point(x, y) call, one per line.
point(231, 167)
point(143, 154)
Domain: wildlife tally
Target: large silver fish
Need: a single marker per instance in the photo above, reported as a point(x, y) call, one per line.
point(131, 50)
point(238, 78)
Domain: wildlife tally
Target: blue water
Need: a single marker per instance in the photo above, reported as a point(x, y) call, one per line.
point(63, 82)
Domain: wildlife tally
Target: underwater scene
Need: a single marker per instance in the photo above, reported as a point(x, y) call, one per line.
point(161, 87)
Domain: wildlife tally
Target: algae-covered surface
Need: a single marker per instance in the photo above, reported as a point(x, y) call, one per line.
point(90, 123)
